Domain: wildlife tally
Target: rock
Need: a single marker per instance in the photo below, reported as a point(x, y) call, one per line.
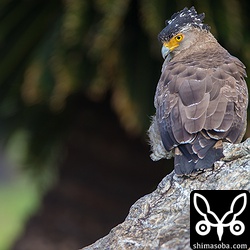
point(160, 220)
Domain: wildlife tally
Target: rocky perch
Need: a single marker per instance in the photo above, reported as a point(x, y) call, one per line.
point(160, 220)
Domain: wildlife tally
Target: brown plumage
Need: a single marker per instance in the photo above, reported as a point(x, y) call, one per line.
point(201, 97)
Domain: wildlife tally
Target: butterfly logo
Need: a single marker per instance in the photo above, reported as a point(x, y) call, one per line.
point(203, 227)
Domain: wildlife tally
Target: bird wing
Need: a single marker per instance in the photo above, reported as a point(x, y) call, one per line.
point(207, 97)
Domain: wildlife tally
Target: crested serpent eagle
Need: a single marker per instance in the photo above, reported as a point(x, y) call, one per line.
point(201, 98)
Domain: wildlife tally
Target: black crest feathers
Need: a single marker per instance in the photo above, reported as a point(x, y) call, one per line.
point(184, 18)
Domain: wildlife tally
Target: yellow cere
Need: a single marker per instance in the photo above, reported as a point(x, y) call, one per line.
point(174, 42)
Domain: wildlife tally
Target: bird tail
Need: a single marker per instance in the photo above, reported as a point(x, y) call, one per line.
point(190, 158)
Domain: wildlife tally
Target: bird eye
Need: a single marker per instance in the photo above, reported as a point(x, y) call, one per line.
point(178, 38)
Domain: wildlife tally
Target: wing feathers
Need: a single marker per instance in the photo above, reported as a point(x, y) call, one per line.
point(192, 91)
point(195, 111)
point(228, 118)
point(198, 105)
point(215, 119)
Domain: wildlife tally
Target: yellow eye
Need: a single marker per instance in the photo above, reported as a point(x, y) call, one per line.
point(179, 37)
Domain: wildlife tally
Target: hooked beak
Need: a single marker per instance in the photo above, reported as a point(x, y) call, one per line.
point(165, 51)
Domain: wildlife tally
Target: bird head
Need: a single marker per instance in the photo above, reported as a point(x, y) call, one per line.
point(181, 31)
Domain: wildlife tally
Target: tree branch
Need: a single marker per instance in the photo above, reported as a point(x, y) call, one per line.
point(160, 220)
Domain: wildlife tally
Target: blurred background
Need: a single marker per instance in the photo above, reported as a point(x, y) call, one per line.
point(77, 82)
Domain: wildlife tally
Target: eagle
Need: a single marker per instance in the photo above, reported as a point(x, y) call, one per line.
point(201, 98)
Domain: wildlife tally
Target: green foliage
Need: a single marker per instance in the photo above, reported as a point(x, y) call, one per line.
point(53, 50)
point(20, 199)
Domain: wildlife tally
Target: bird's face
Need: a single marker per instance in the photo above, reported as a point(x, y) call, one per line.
point(172, 44)
point(179, 42)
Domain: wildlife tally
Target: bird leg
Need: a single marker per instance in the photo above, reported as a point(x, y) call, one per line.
point(157, 148)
